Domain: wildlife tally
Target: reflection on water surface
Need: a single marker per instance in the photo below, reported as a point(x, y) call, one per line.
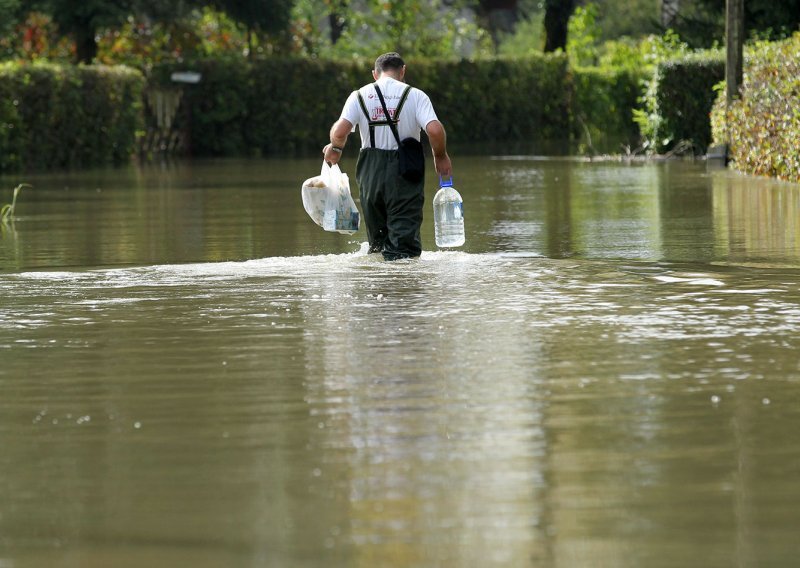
point(607, 375)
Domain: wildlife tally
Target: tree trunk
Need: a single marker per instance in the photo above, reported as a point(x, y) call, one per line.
point(337, 21)
point(556, 18)
point(669, 11)
point(85, 45)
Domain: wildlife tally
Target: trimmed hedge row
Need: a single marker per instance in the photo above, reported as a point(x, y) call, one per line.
point(61, 116)
point(285, 105)
point(603, 103)
point(762, 127)
point(678, 101)
point(269, 107)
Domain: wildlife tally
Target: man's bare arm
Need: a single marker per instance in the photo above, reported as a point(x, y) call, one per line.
point(338, 135)
point(438, 139)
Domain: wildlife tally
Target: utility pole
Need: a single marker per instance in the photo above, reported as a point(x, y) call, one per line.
point(734, 42)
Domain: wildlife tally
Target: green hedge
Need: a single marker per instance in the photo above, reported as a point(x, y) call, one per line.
point(602, 108)
point(762, 127)
point(64, 116)
point(270, 107)
point(61, 116)
point(678, 101)
point(280, 105)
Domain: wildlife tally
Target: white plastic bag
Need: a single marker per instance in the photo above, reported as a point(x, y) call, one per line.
point(327, 200)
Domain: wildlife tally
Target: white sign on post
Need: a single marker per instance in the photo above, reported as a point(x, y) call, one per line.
point(186, 77)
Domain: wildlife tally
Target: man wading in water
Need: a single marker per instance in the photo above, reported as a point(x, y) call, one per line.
point(392, 202)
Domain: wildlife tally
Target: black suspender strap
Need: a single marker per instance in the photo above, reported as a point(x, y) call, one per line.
point(403, 98)
point(369, 122)
point(390, 121)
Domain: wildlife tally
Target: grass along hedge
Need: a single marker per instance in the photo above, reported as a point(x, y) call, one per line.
point(762, 127)
point(63, 116)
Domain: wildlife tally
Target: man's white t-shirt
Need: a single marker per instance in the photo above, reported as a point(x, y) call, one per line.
point(415, 115)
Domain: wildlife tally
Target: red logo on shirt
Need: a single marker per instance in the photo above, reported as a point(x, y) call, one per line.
point(378, 114)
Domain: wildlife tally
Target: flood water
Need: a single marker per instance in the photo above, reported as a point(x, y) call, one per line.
point(607, 374)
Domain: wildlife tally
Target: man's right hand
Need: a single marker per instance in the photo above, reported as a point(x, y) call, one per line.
point(438, 139)
point(443, 166)
point(331, 156)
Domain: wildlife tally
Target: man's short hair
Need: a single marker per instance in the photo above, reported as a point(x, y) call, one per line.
point(387, 61)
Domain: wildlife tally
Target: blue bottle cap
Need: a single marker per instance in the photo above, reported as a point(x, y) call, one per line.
point(446, 183)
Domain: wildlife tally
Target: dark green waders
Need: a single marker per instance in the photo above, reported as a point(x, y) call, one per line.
point(392, 205)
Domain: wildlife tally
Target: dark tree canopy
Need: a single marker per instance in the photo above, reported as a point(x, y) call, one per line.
point(265, 16)
point(165, 10)
point(702, 22)
point(500, 16)
point(82, 18)
point(268, 16)
point(8, 14)
point(699, 22)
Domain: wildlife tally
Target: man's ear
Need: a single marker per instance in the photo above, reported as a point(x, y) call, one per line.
point(375, 74)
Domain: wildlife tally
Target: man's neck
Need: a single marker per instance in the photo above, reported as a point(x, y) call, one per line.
point(389, 75)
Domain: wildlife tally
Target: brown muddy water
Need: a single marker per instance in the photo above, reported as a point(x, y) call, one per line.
point(607, 374)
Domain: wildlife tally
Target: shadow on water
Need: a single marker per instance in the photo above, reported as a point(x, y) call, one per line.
point(195, 374)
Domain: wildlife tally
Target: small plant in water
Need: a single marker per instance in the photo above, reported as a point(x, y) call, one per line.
point(7, 211)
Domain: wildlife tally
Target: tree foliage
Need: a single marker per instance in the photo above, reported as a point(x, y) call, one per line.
point(165, 10)
point(583, 35)
point(81, 19)
point(8, 14)
point(268, 16)
point(258, 16)
point(499, 17)
point(142, 42)
point(432, 28)
point(702, 22)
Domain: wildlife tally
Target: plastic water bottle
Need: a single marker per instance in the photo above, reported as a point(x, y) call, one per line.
point(448, 215)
